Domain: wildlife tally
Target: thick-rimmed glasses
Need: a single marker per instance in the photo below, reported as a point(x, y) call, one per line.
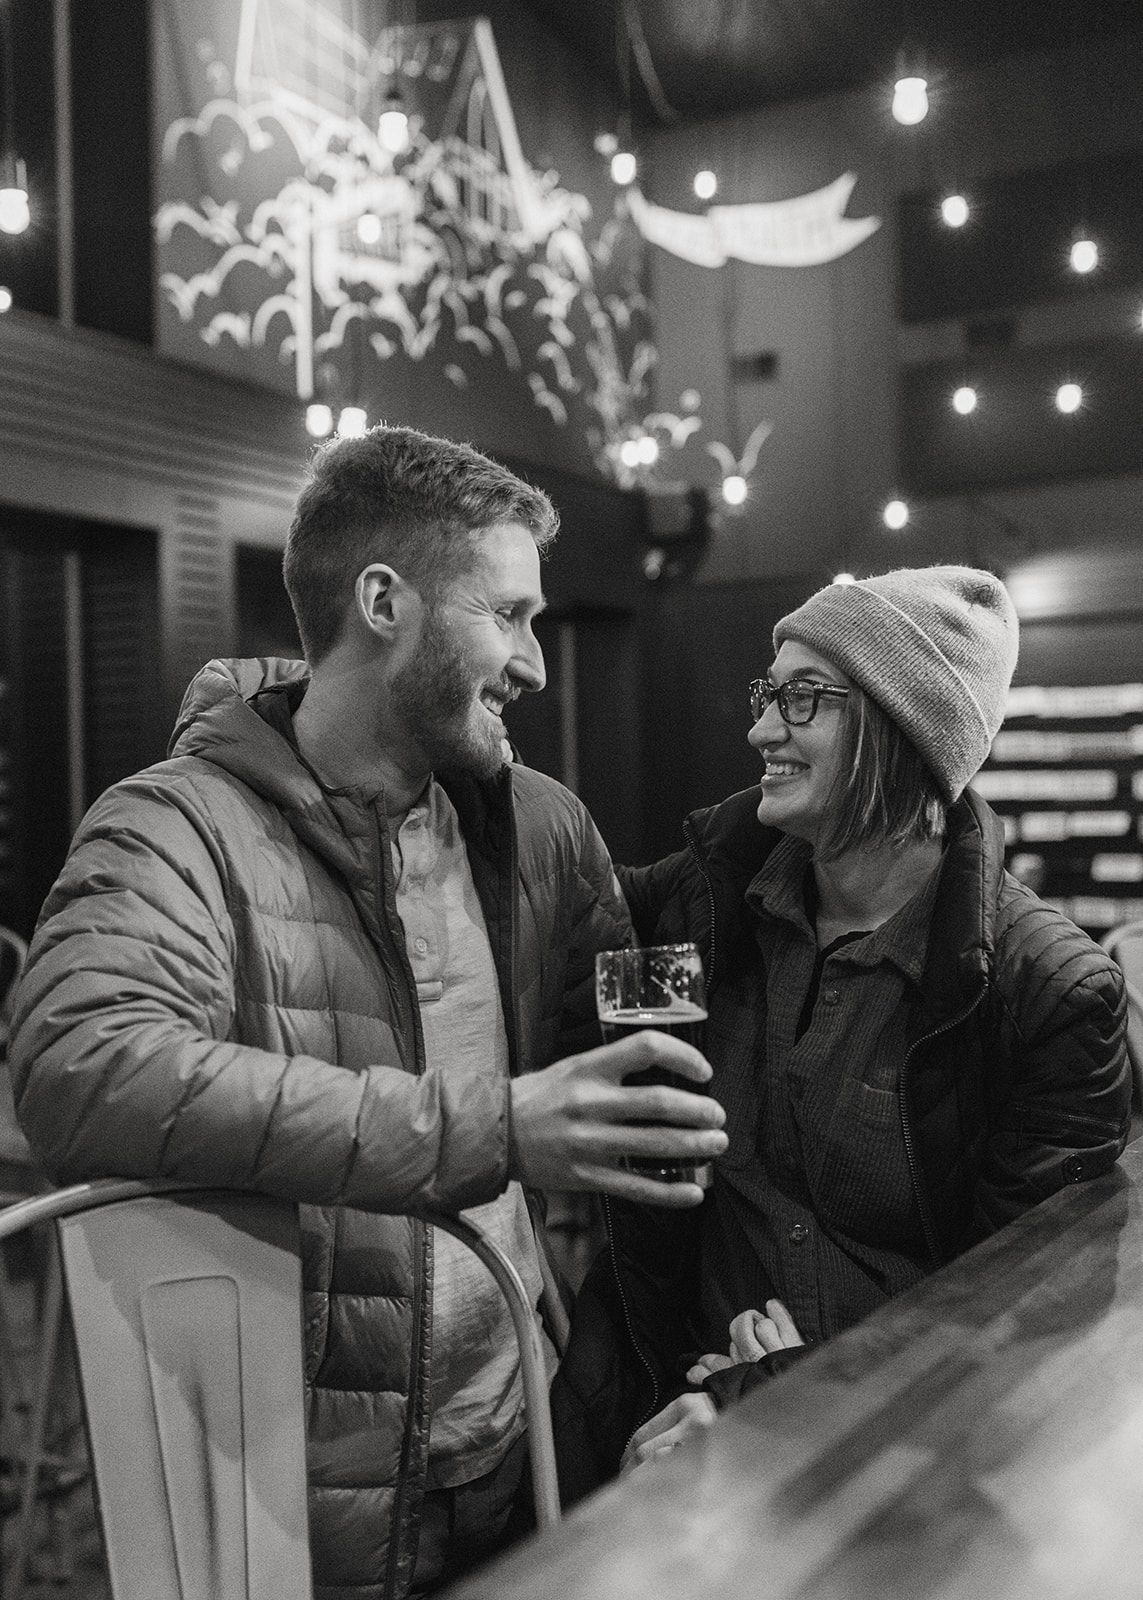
point(798, 699)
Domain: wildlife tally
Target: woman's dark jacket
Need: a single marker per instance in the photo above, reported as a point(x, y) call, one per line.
point(1015, 1082)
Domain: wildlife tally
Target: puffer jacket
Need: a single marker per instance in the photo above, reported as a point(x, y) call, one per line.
point(1015, 1082)
point(218, 992)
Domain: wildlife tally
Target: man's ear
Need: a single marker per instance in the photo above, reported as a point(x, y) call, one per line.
point(384, 601)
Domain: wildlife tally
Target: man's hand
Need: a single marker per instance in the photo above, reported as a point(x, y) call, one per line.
point(575, 1122)
point(690, 1413)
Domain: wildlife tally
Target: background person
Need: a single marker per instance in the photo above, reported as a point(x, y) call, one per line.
point(910, 1047)
point(320, 953)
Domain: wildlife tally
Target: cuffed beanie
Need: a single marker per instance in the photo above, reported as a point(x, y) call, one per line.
point(934, 646)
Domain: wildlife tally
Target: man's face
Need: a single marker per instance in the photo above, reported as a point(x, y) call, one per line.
point(476, 652)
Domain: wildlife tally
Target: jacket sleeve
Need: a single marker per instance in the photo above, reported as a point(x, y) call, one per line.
point(651, 895)
point(124, 1063)
point(1065, 1114)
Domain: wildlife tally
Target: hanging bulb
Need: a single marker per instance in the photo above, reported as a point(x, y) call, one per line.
point(319, 421)
point(1084, 255)
point(393, 124)
point(648, 449)
point(15, 213)
point(623, 167)
point(845, 577)
point(895, 515)
point(954, 210)
point(964, 400)
point(734, 489)
point(706, 185)
point(910, 101)
point(352, 422)
point(1069, 398)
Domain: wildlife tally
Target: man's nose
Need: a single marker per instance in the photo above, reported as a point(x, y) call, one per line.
point(527, 665)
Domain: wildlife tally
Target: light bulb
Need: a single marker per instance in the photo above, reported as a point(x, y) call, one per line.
point(369, 228)
point(629, 452)
point(5, 299)
point(393, 124)
point(845, 577)
point(623, 167)
point(15, 213)
point(352, 422)
point(1084, 255)
point(1069, 398)
point(964, 400)
point(319, 421)
point(954, 210)
point(734, 489)
point(895, 515)
point(706, 184)
point(910, 101)
point(647, 449)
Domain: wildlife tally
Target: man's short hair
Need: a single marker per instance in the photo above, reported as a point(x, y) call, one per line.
point(395, 495)
point(885, 792)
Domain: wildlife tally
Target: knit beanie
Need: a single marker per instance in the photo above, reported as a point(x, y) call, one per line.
point(934, 646)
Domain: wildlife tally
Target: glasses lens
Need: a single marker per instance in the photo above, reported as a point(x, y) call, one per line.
point(798, 701)
point(760, 696)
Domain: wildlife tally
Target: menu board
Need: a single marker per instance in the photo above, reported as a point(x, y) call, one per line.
point(1066, 777)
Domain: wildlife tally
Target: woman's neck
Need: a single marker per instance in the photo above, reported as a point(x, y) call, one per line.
point(864, 888)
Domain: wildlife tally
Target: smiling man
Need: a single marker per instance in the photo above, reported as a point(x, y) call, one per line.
point(336, 950)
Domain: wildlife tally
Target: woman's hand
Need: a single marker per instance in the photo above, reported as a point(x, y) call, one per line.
point(754, 1334)
point(689, 1414)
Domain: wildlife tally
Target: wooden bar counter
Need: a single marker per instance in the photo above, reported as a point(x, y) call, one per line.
point(980, 1438)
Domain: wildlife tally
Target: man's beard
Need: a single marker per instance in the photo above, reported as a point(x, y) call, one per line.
point(435, 695)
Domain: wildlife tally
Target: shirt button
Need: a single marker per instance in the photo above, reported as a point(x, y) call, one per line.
point(829, 996)
point(420, 946)
point(799, 1233)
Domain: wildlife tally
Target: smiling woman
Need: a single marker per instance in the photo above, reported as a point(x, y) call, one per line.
point(910, 1048)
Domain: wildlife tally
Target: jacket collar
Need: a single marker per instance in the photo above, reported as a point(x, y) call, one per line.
point(731, 845)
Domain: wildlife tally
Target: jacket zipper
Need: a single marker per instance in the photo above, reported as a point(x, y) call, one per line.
point(654, 1406)
point(628, 1323)
point(422, 1281)
point(923, 1206)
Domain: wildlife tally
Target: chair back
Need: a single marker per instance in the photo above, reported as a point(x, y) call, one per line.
point(187, 1319)
point(1125, 943)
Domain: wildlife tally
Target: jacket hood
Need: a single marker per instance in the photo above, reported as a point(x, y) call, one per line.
point(219, 721)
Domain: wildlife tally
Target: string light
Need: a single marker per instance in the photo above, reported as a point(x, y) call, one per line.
point(393, 124)
point(895, 515)
point(319, 421)
point(369, 228)
point(1069, 398)
point(954, 210)
point(845, 577)
point(15, 212)
point(623, 168)
point(734, 489)
point(964, 400)
point(352, 422)
point(706, 184)
point(5, 299)
point(1084, 255)
point(910, 101)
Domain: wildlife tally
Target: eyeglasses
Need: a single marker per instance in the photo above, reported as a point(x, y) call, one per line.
point(797, 700)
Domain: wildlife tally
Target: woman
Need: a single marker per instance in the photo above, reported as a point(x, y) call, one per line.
point(910, 1047)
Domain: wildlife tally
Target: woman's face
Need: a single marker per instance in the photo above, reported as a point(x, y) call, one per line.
point(801, 763)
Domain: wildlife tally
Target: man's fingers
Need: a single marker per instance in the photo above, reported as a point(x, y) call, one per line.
point(644, 1049)
point(744, 1338)
point(647, 1191)
point(707, 1364)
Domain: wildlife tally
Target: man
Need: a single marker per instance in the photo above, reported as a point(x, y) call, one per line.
point(321, 952)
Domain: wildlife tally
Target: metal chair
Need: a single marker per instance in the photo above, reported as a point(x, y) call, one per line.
point(186, 1308)
point(1125, 943)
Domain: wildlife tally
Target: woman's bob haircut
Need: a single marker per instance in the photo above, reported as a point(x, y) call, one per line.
point(884, 793)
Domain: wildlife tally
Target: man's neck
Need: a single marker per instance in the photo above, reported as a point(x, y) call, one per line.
point(340, 734)
point(865, 888)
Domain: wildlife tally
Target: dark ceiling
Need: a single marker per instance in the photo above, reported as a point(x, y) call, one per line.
point(690, 59)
